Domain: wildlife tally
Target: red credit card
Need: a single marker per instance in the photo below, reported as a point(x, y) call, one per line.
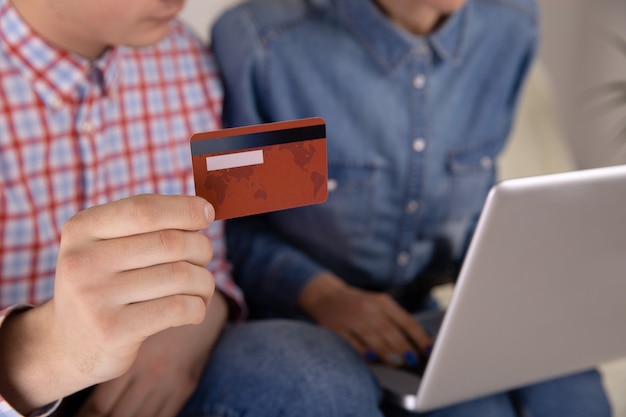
point(261, 168)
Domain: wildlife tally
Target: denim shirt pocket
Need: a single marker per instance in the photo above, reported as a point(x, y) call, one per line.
point(351, 189)
point(344, 221)
point(472, 172)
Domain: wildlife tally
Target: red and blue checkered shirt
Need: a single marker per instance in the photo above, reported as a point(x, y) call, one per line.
point(76, 133)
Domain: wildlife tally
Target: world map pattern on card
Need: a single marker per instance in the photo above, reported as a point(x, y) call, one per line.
point(244, 179)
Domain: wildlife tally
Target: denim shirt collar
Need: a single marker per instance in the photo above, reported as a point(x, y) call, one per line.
point(390, 46)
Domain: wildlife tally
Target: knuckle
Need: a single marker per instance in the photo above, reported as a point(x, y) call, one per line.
point(75, 264)
point(193, 280)
point(103, 330)
point(181, 272)
point(195, 210)
point(143, 211)
point(172, 241)
point(73, 226)
point(189, 309)
point(177, 305)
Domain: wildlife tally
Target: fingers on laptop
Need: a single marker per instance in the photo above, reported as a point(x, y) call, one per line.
point(393, 341)
point(412, 330)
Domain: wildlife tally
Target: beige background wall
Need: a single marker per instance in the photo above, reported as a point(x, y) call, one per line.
point(579, 58)
point(200, 13)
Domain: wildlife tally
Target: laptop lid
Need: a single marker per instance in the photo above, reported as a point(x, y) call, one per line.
point(542, 291)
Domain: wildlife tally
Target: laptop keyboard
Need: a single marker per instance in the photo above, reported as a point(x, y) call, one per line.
point(431, 321)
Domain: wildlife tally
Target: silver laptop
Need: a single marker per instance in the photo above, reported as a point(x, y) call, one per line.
point(541, 294)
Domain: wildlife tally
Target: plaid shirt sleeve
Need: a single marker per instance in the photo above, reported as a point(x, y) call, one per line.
point(5, 408)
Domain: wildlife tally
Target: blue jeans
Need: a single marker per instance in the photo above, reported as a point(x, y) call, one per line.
point(283, 368)
point(295, 369)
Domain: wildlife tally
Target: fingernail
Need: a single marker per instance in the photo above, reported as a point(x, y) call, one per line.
point(410, 358)
point(371, 356)
point(209, 213)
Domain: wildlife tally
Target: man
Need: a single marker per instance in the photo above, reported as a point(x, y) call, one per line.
point(102, 269)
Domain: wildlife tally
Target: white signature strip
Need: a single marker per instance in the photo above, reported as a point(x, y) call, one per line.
point(234, 160)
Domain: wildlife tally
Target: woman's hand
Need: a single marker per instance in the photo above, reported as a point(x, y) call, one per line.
point(373, 323)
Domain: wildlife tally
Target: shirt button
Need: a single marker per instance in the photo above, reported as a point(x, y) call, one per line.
point(332, 184)
point(411, 206)
point(419, 81)
point(486, 162)
point(402, 259)
point(87, 128)
point(419, 144)
point(56, 103)
point(421, 48)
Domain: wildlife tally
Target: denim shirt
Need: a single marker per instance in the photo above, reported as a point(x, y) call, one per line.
point(414, 125)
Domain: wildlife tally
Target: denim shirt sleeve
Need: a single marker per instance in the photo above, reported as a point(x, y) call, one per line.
point(270, 271)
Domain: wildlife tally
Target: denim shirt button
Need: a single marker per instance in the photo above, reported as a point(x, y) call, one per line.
point(332, 185)
point(421, 48)
point(486, 162)
point(419, 144)
point(419, 81)
point(402, 259)
point(411, 206)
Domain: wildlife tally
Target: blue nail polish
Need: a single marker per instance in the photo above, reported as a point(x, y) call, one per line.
point(411, 359)
point(371, 356)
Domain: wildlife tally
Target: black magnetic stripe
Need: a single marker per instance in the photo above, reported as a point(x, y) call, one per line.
point(255, 140)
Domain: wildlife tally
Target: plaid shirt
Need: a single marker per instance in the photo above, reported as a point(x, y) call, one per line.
point(76, 133)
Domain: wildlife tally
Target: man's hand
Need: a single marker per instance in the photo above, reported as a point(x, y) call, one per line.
point(125, 271)
point(373, 323)
point(165, 373)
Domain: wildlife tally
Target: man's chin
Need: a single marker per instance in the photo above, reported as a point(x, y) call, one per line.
point(149, 38)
